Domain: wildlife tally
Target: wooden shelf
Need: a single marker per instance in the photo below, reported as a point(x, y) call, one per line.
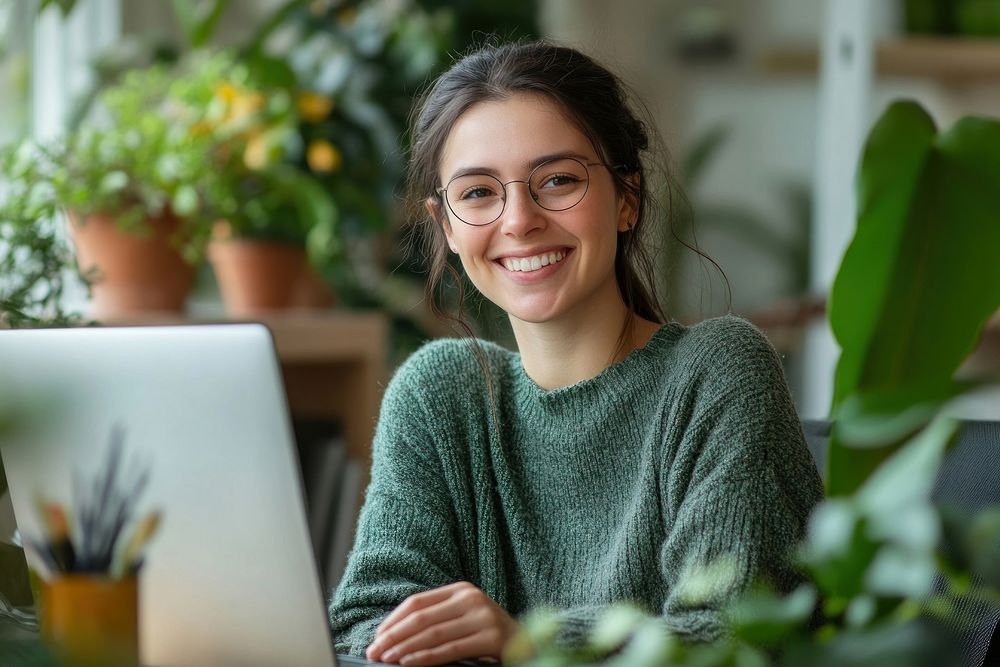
point(785, 324)
point(948, 60)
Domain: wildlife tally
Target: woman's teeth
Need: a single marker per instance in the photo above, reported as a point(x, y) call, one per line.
point(532, 263)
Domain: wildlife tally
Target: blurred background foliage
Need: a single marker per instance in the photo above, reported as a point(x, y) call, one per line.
point(328, 86)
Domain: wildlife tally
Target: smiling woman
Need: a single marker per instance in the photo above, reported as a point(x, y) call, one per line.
point(618, 456)
point(503, 226)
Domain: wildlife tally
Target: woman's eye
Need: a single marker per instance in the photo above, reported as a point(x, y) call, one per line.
point(557, 180)
point(478, 192)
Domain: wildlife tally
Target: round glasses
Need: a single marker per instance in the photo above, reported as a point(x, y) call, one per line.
point(555, 185)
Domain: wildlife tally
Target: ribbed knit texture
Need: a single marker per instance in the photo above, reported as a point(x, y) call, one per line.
point(613, 489)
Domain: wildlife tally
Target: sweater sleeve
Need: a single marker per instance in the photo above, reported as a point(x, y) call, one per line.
point(405, 540)
point(740, 487)
point(737, 485)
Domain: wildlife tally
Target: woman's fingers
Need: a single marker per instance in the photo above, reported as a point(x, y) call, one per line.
point(475, 645)
point(418, 622)
point(416, 602)
point(432, 636)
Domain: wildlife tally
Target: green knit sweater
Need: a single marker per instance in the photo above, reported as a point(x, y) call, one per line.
point(619, 488)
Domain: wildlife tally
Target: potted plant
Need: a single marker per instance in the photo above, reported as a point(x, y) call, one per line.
point(269, 211)
point(134, 185)
point(259, 251)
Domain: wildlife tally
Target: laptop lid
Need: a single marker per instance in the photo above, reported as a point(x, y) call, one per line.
point(230, 577)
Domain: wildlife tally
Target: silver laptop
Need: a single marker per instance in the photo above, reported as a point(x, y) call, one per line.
point(230, 576)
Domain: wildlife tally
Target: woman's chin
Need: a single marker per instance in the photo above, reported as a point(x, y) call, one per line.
point(534, 313)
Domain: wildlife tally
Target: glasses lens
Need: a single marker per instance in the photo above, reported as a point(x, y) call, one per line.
point(475, 198)
point(559, 184)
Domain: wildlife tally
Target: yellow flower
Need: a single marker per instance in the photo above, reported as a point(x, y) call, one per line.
point(256, 154)
point(313, 107)
point(323, 156)
point(244, 105)
point(226, 91)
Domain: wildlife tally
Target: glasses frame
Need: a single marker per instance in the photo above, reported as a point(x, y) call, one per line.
point(442, 191)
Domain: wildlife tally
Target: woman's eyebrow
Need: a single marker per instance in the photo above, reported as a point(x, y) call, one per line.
point(532, 164)
point(466, 171)
point(557, 156)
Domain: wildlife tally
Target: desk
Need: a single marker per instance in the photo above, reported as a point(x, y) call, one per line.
point(334, 368)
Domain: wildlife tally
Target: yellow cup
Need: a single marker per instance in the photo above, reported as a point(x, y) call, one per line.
point(92, 620)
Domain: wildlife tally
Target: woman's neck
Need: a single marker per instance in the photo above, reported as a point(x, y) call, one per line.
point(562, 353)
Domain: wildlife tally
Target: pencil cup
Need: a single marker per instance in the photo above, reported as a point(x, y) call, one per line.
point(92, 620)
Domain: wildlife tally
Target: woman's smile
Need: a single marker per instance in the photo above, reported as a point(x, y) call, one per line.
point(534, 262)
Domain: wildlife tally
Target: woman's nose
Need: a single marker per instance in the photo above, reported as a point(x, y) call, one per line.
point(521, 213)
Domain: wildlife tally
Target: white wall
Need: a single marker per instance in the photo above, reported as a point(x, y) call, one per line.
point(15, 71)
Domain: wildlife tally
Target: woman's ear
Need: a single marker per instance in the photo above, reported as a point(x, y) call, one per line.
point(628, 208)
point(436, 212)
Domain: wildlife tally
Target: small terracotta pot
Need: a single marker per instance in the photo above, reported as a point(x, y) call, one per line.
point(256, 276)
point(132, 272)
point(92, 620)
point(312, 292)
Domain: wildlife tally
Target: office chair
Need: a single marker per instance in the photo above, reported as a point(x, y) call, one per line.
point(968, 482)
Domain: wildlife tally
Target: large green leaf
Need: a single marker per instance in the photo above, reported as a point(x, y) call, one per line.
point(920, 277)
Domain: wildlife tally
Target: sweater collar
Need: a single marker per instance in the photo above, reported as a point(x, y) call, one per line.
point(616, 376)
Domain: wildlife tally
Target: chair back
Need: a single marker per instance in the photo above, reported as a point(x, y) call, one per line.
point(968, 482)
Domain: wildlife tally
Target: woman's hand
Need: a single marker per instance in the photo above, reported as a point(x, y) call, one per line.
point(442, 625)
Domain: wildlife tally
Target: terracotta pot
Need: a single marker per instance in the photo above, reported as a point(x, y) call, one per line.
point(312, 292)
point(132, 272)
point(256, 276)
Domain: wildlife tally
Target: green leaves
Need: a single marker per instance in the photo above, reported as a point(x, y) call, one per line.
point(908, 477)
point(34, 256)
point(199, 19)
point(765, 619)
point(64, 6)
point(918, 281)
point(872, 555)
point(616, 627)
point(975, 545)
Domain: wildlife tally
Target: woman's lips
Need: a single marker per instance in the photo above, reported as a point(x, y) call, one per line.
point(512, 266)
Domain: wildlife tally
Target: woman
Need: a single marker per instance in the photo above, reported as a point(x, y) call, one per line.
point(614, 457)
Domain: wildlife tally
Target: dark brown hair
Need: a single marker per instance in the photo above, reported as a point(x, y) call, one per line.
point(591, 97)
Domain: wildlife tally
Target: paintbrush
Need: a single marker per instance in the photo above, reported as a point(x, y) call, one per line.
point(55, 542)
point(131, 556)
point(59, 541)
